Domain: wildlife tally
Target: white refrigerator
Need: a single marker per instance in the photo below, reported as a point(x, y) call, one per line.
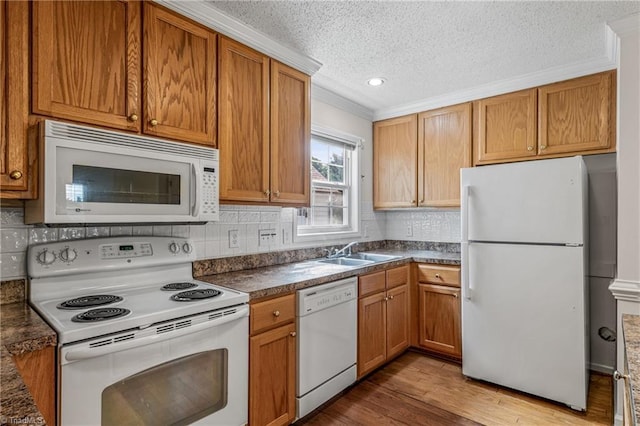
point(524, 266)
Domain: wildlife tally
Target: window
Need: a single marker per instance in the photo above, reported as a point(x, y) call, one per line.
point(334, 189)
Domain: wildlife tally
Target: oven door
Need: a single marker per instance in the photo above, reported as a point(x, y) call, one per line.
point(191, 375)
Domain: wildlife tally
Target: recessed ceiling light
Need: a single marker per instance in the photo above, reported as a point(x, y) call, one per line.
point(376, 81)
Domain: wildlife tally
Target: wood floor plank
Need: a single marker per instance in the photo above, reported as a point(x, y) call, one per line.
point(420, 390)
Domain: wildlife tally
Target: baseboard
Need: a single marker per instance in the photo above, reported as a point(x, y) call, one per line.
point(607, 370)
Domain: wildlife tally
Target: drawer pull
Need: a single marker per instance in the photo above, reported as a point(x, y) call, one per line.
point(276, 313)
point(292, 334)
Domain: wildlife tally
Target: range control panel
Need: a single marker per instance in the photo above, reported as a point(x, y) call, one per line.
point(74, 256)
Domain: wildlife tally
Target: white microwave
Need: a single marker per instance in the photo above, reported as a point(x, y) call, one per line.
point(90, 175)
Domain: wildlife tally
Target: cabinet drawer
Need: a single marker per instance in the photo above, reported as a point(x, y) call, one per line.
point(371, 283)
point(397, 276)
point(272, 313)
point(444, 275)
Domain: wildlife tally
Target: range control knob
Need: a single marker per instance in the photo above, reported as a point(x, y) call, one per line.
point(46, 257)
point(174, 248)
point(68, 254)
point(186, 247)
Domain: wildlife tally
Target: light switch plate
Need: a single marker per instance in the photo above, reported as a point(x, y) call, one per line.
point(267, 237)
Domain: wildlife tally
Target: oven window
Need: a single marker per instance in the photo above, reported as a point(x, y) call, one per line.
point(106, 185)
point(178, 392)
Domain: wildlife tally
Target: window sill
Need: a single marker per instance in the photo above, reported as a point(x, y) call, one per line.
point(326, 236)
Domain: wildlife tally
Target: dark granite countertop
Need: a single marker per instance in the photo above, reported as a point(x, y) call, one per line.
point(631, 330)
point(21, 331)
point(282, 279)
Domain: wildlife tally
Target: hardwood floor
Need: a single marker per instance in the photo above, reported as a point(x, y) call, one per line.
point(419, 390)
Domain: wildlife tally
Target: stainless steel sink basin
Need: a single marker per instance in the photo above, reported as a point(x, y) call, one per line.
point(372, 257)
point(347, 261)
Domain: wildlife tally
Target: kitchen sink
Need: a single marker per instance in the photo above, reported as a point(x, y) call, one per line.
point(372, 257)
point(347, 261)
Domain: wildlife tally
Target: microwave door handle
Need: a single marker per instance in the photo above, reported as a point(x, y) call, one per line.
point(195, 184)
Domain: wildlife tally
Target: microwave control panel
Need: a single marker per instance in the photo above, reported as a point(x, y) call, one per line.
point(209, 204)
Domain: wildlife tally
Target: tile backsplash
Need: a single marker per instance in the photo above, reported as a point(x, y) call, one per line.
point(237, 232)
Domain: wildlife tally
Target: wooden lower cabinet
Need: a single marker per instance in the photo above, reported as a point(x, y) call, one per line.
point(38, 371)
point(383, 317)
point(437, 309)
point(272, 362)
point(440, 319)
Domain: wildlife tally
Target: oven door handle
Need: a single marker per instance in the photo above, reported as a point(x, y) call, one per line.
point(148, 336)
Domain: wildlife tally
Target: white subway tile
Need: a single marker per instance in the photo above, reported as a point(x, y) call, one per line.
point(228, 216)
point(162, 230)
point(42, 235)
point(199, 247)
point(146, 230)
point(248, 216)
point(13, 239)
point(10, 216)
point(117, 231)
point(197, 232)
point(13, 266)
point(212, 248)
point(212, 232)
point(287, 214)
point(70, 233)
point(269, 216)
point(97, 231)
point(180, 231)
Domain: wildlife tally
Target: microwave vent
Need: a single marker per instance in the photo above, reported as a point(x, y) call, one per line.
point(105, 137)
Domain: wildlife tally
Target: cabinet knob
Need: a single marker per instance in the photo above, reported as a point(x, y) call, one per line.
point(390, 297)
point(386, 298)
point(292, 334)
point(543, 147)
point(276, 313)
point(276, 193)
point(437, 275)
point(15, 175)
point(455, 295)
point(133, 117)
point(413, 201)
point(421, 201)
point(153, 122)
point(266, 192)
point(529, 148)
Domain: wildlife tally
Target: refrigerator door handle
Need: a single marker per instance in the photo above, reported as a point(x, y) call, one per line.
point(466, 189)
point(464, 260)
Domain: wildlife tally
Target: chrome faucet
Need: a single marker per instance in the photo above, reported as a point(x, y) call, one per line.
point(344, 251)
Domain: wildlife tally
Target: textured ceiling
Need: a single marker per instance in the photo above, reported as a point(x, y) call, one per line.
point(426, 49)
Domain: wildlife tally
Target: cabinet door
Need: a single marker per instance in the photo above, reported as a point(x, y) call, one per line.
point(439, 320)
point(397, 320)
point(86, 61)
point(444, 146)
point(38, 370)
point(372, 325)
point(577, 115)
point(505, 127)
point(14, 100)
point(272, 377)
point(243, 136)
point(179, 76)
point(290, 135)
point(395, 146)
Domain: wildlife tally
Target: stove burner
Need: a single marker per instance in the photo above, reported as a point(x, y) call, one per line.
point(100, 314)
point(177, 286)
point(89, 301)
point(193, 295)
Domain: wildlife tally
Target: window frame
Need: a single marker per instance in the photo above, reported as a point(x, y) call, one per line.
point(304, 233)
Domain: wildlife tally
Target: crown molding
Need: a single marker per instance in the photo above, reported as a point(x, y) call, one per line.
point(538, 78)
point(626, 290)
point(327, 96)
point(627, 26)
point(207, 15)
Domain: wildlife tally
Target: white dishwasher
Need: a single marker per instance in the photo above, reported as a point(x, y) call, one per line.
point(327, 342)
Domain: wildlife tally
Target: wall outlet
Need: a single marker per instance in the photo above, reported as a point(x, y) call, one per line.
point(233, 239)
point(365, 230)
point(266, 237)
point(409, 231)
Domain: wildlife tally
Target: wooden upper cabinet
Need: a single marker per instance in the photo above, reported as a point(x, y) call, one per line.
point(395, 146)
point(243, 124)
point(86, 61)
point(290, 135)
point(505, 127)
point(179, 77)
point(444, 147)
point(577, 115)
point(16, 180)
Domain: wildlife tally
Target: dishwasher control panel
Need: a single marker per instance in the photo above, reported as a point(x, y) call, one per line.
point(327, 295)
